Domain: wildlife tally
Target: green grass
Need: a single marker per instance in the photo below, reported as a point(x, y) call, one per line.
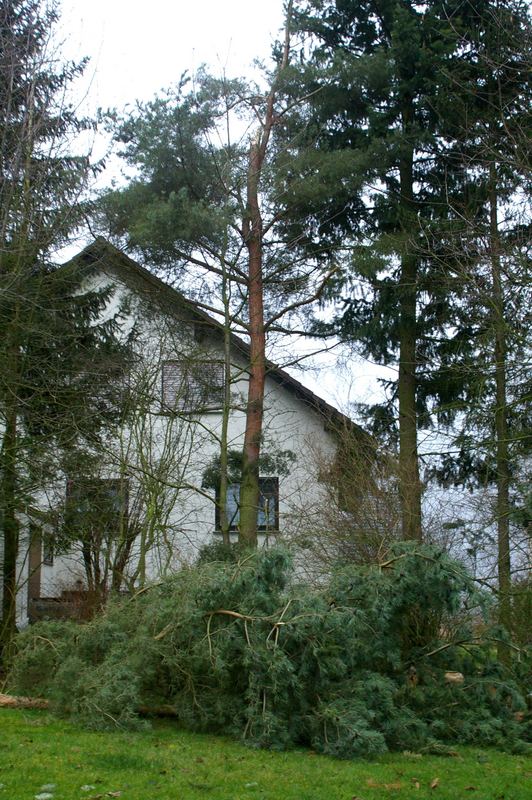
point(166, 763)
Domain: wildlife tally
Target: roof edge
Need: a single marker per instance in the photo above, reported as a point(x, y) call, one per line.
point(103, 253)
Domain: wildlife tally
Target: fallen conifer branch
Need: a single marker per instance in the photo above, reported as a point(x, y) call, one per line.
point(10, 701)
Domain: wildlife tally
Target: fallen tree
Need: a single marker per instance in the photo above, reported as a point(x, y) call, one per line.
point(385, 657)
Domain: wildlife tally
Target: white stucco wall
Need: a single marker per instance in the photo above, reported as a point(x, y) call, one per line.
point(289, 424)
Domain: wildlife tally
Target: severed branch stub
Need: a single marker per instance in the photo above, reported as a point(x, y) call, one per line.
point(10, 701)
point(454, 677)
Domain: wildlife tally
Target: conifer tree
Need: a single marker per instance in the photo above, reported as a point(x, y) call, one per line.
point(490, 126)
point(382, 187)
point(56, 359)
point(203, 200)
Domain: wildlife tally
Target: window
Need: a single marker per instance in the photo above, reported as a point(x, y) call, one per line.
point(268, 510)
point(96, 505)
point(192, 385)
point(47, 552)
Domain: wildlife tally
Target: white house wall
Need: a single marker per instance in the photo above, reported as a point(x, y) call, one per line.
point(290, 424)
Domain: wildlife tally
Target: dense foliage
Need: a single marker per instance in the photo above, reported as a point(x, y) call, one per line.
point(353, 668)
point(59, 357)
point(414, 128)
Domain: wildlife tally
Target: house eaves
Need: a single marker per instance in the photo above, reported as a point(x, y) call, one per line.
point(101, 255)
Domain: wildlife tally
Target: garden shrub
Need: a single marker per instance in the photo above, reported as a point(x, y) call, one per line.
point(353, 668)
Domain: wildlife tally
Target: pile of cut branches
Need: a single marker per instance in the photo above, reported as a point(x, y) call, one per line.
point(382, 657)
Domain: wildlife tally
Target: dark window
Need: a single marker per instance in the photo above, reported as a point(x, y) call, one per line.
point(192, 385)
point(96, 506)
point(200, 331)
point(268, 511)
point(47, 552)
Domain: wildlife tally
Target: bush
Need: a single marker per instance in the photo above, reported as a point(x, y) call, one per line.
point(354, 668)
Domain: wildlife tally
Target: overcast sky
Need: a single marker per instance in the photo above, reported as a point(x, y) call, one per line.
point(137, 48)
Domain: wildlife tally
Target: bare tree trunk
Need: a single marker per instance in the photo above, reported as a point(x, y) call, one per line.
point(253, 237)
point(10, 527)
point(409, 483)
point(501, 423)
point(249, 487)
point(126, 539)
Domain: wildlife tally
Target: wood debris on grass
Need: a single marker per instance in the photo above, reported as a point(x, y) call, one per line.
point(10, 701)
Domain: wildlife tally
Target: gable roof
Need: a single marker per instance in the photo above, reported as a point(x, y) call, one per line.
point(101, 254)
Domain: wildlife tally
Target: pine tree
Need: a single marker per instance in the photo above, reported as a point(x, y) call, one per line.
point(55, 389)
point(493, 99)
point(194, 205)
point(202, 200)
point(379, 111)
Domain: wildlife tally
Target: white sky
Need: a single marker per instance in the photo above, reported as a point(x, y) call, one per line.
point(138, 48)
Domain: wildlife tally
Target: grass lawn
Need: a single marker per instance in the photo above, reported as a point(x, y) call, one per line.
point(166, 763)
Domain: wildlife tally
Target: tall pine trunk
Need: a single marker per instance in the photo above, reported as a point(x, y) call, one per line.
point(10, 526)
point(409, 482)
point(253, 238)
point(249, 487)
point(501, 423)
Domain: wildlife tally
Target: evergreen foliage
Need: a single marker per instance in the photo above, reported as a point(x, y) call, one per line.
point(354, 668)
point(59, 359)
point(205, 203)
point(413, 110)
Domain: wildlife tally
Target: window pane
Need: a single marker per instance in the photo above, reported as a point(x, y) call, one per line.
point(96, 505)
point(192, 385)
point(232, 509)
point(268, 500)
point(47, 552)
point(268, 510)
point(173, 384)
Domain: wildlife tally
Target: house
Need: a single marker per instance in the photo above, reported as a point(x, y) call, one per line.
point(147, 504)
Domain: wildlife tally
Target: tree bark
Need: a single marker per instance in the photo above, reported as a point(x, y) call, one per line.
point(501, 422)
point(224, 435)
point(409, 482)
point(11, 532)
point(249, 487)
point(126, 539)
point(253, 237)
